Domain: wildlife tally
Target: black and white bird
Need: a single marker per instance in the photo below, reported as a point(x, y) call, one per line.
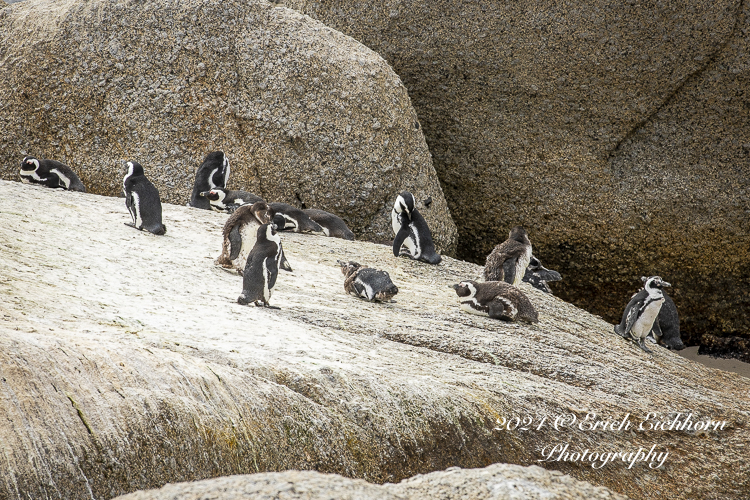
point(508, 260)
point(142, 200)
point(367, 283)
point(412, 235)
point(639, 317)
point(213, 173)
point(295, 219)
point(537, 275)
point(227, 201)
point(262, 267)
point(50, 173)
point(331, 224)
point(240, 233)
point(497, 299)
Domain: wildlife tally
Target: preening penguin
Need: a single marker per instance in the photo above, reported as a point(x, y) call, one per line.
point(262, 267)
point(50, 173)
point(227, 201)
point(508, 260)
point(537, 275)
point(240, 232)
point(497, 299)
point(213, 173)
point(412, 235)
point(295, 220)
point(332, 225)
point(366, 282)
point(639, 317)
point(142, 200)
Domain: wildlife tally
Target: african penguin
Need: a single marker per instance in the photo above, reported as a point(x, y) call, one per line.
point(239, 234)
point(332, 225)
point(508, 260)
point(639, 317)
point(295, 219)
point(226, 201)
point(50, 173)
point(262, 267)
point(537, 275)
point(413, 237)
point(213, 173)
point(497, 299)
point(669, 324)
point(366, 282)
point(142, 200)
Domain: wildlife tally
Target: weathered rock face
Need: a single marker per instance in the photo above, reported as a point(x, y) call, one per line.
point(126, 363)
point(616, 133)
point(305, 114)
point(496, 481)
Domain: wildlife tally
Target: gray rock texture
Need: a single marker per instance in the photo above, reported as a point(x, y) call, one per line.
point(494, 482)
point(306, 115)
point(126, 363)
point(617, 133)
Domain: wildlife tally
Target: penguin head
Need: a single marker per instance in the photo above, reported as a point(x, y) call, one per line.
point(216, 194)
point(466, 288)
point(404, 204)
point(267, 232)
point(29, 164)
point(654, 282)
point(537, 269)
point(519, 234)
point(278, 222)
point(134, 169)
point(260, 210)
point(348, 267)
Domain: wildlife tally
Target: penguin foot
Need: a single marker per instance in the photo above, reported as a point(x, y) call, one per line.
point(642, 345)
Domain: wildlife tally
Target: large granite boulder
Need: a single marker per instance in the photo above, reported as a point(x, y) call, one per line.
point(615, 132)
point(493, 482)
point(126, 363)
point(306, 115)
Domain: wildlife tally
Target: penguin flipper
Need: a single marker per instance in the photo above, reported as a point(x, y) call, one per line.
point(656, 331)
point(235, 242)
point(497, 310)
point(284, 264)
point(509, 270)
point(401, 236)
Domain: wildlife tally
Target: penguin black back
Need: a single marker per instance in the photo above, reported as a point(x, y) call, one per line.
point(366, 282)
point(142, 200)
point(412, 235)
point(331, 224)
point(213, 173)
point(50, 173)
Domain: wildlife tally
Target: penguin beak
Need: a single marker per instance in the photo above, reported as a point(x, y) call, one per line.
point(664, 283)
point(455, 287)
point(204, 193)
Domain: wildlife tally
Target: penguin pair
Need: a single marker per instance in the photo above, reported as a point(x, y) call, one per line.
point(240, 233)
point(50, 173)
point(497, 299)
point(262, 267)
point(213, 173)
point(641, 313)
point(227, 201)
point(142, 200)
point(412, 235)
point(367, 283)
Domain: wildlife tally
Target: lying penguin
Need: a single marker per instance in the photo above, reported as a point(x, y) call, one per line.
point(227, 201)
point(295, 220)
point(639, 317)
point(50, 173)
point(332, 225)
point(367, 283)
point(537, 275)
point(497, 299)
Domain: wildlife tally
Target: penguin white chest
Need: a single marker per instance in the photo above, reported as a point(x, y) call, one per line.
point(521, 264)
point(470, 306)
point(645, 321)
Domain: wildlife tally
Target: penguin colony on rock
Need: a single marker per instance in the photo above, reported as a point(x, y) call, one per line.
point(251, 246)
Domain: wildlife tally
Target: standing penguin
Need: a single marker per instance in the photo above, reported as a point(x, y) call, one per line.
point(367, 283)
point(537, 275)
point(508, 260)
point(142, 200)
point(295, 220)
point(240, 231)
point(668, 322)
point(413, 237)
point(332, 225)
point(639, 317)
point(227, 201)
point(262, 268)
point(50, 173)
point(497, 299)
point(213, 173)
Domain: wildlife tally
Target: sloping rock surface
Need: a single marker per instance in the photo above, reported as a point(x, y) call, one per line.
point(495, 481)
point(126, 363)
point(306, 115)
point(615, 132)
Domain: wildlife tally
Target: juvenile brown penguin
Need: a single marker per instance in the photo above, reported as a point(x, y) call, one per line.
point(508, 260)
point(367, 283)
point(240, 231)
point(497, 299)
